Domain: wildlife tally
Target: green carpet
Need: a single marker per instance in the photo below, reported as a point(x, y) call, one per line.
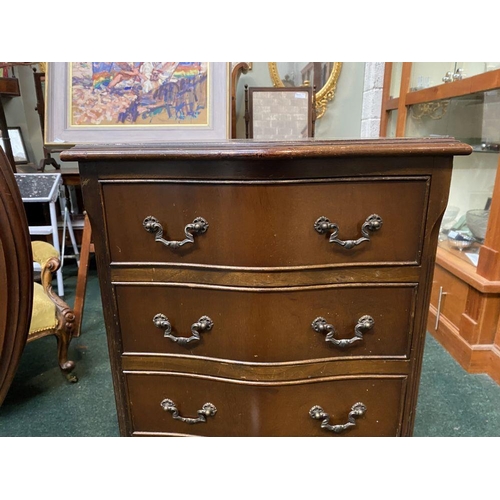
point(453, 402)
point(42, 403)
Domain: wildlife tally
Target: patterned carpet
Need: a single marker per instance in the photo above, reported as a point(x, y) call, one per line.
point(42, 403)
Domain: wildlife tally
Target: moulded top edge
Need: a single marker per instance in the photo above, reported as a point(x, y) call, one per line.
point(247, 148)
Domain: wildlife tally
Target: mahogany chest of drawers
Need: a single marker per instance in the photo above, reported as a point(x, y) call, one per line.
point(266, 289)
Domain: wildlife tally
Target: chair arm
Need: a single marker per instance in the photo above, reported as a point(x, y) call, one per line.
point(42, 252)
point(48, 258)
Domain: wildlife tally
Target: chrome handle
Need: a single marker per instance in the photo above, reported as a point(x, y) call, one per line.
point(364, 324)
point(204, 324)
point(357, 410)
point(372, 223)
point(198, 226)
point(438, 312)
point(207, 410)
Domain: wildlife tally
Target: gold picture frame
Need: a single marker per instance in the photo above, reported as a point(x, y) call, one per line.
point(323, 95)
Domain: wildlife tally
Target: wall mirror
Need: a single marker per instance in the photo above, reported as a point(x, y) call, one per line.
point(322, 75)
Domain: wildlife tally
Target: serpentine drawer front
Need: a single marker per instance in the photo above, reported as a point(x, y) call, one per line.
point(382, 218)
point(259, 409)
point(266, 289)
point(267, 324)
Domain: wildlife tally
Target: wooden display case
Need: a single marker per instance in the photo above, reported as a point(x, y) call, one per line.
point(461, 100)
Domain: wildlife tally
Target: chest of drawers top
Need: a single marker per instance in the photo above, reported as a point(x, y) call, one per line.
point(251, 149)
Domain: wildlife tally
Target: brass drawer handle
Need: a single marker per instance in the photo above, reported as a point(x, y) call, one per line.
point(207, 410)
point(204, 324)
point(357, 410)
point(198, 226)
point(364, 324)
point(372, 223)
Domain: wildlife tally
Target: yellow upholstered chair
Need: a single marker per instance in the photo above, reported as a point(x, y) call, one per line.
point(50, 314)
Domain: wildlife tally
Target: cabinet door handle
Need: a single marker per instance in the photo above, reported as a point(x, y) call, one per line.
point(438, 312)
point(372, 223)
point(364, 324)
point(204, 324)
point(198, 226)
point(357, 410)
point(207, 410)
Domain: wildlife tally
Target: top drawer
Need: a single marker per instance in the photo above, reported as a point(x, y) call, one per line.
point(267, 224)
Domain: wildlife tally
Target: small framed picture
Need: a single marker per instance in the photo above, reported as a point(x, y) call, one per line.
point(279, 113)
point(17, 145)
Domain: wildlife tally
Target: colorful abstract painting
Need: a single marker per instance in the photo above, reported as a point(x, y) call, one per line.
point(138, 93)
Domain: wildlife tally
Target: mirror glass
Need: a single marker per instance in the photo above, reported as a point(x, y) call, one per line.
point(295, 74)
point(321, 75)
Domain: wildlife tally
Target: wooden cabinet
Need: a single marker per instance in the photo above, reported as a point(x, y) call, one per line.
point(460, 100)
point(266, 289)
point(9, 87)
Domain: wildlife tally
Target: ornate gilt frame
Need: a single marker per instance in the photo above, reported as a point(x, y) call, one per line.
point(323, 95)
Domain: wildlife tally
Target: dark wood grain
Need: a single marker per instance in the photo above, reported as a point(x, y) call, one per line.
point(263, 372)
point(283, 234)
point(250, 149)
point(9, 87)
point(275, 409)
point(267, 325)
point(16, 276)
point(263, 274)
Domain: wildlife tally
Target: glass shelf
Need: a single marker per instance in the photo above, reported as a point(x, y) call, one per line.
point(475, 120)
point(469, 256)
point(430, 74)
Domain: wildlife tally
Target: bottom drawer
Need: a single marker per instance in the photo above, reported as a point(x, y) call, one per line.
point(177, 403)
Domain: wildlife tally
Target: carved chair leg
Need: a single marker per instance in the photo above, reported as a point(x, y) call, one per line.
point(63, 339)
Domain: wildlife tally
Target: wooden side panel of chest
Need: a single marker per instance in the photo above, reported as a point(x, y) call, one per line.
point(268, 312)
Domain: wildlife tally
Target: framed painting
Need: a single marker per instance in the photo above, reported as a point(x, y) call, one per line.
point(135, 102)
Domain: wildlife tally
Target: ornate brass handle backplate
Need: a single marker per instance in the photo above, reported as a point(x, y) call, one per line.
point(207, 410)
point(372, 223)
point(204, 324)
point(197, 227)
point(364, 324)
point(357, 410)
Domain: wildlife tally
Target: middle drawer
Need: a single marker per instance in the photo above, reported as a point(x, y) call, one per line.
point(300, 323)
